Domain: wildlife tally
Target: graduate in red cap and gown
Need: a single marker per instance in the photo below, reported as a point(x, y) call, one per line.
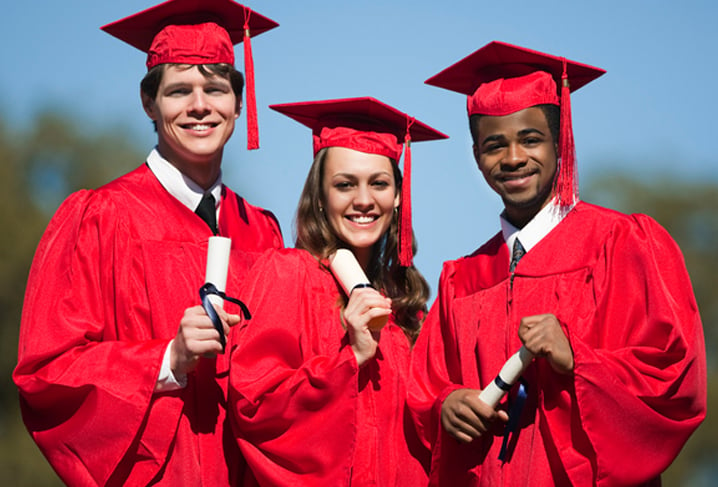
point(601, 299)
point(317, 393)
point(121, 374)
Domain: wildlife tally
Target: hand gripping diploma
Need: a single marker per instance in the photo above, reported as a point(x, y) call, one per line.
point(466, 418)
point(507, 377)
point(366, 312)
point(203, 328)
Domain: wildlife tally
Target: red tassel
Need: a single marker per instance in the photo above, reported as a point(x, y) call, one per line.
point(251, 102)
point(405, 230)
point(566, 184)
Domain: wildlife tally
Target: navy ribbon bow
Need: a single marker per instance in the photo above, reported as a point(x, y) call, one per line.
point(204, 292)
point(512, 427)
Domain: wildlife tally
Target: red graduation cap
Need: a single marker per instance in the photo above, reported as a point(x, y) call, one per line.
point(367, 125)
point(197, 32)
point(501, 79)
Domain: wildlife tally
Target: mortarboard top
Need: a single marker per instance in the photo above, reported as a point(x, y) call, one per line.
point(501, 79)
point(366, 125)
point(363, 114)
point(197, 32)
point(499, 60)
point(140, 29)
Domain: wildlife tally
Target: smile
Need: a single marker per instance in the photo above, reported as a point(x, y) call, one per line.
point(362, 219)
point(199, 127)
point(516, 177)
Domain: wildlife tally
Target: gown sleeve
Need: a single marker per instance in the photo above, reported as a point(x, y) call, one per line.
point(640, 373)
point(85, 395)
point(435, 371)
point(293, 377)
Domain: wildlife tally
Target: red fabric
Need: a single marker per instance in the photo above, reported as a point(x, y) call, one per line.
point(384, 144)
point(505, 96)
point(140, 29)
point(498, 60)
point(620, 289)
point(206, 43)
point(566, 182)
point(111, 278)
point(252, 125)
point(406, 233)
point(304, 413)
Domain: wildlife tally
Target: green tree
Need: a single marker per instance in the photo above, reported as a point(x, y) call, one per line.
point(40, 167)
point(687, 209)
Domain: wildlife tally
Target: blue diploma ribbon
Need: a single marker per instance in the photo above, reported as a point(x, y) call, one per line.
point(514, 414)
point(204, 292)
point(504, 386)
point(361, 285)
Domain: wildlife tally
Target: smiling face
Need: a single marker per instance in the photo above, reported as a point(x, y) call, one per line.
point(516, 153)
point(360, 197)
point(195, 116)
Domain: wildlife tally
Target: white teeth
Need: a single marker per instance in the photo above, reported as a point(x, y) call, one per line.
point(200, 127)
point(362, 219)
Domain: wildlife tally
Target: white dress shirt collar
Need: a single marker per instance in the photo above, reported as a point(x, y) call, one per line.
point(178, 185)
point(536, 229)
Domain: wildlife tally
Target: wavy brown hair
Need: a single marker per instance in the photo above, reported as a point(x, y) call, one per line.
point(406, 287)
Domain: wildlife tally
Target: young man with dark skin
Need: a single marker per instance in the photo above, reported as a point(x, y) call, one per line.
point(602, 300)
point(120, 370)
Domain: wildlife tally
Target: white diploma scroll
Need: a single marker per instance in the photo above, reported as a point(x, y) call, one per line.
point(509, 374)
point(349, 273)
point(217, 265)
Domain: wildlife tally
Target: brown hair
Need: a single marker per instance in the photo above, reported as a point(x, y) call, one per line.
point(151, 82)
point(404, 285)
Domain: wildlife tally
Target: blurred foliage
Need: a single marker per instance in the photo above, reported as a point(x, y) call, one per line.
point(689, 211)
point(56, 156)
point(39, 168)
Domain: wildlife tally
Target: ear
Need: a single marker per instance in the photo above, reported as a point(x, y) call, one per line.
point(149, 106)
point(397, 200)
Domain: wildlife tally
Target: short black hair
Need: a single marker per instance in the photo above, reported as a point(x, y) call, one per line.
point(551, 112)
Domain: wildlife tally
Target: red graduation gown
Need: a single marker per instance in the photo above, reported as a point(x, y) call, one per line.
point(111, 278)
point(305, 414)
point(619, 287)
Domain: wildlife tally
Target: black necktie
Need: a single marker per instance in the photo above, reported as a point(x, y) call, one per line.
point(207, 211)
point(516, 255)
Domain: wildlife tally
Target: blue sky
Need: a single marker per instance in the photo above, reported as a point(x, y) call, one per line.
point(652, 114)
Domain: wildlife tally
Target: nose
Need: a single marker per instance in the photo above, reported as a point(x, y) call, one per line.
point(198, 103)
point(515, 155)
point(363, 199)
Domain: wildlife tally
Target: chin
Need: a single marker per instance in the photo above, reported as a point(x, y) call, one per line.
point(521, 201)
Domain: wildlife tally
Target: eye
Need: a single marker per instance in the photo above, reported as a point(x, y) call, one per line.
point(381, 184)
point(532, 141)
point(217, 90)
point(493, 147)
point(178, 92)
point(343, 185)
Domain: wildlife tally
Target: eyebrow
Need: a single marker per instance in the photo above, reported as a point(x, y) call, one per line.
point(522, 133)
point(218, 83)
point(354, 176)
point(174, 86)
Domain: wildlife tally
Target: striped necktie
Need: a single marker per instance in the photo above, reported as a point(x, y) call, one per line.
point(516, 255)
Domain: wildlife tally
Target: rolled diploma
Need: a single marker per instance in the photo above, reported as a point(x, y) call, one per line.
point(349, 273)
point(509, 374)
point(217, 265)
